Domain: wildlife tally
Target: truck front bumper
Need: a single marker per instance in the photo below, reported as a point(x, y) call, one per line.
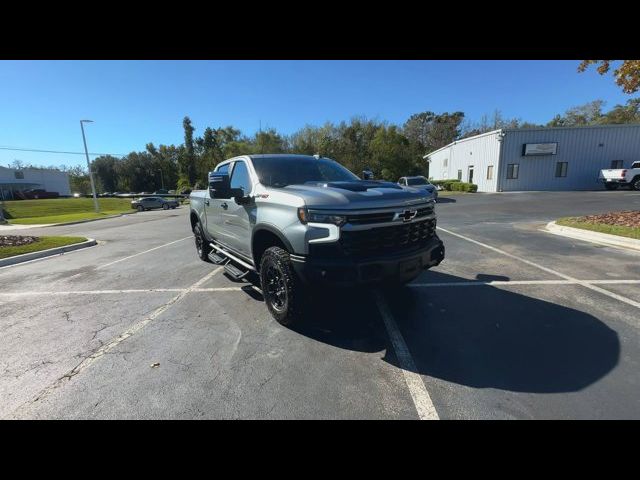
point(343, 272)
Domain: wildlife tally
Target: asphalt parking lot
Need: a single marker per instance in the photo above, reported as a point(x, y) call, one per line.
point(515, 323)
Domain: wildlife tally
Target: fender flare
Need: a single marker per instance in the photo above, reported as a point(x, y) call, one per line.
point(272, 229)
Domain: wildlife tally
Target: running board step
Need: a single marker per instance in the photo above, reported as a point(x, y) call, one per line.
point(217, 258)
point(235, 272)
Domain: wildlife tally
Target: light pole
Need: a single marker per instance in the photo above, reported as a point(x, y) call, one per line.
point(86, 152)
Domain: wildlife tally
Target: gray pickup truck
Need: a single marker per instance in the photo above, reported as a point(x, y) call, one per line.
point(299, 221)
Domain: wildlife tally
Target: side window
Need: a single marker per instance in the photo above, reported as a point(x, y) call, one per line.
point(460, 175)
point(512, 171)
point(635, 165)
point(223, 169)
point(561, 169)
point(240, 177)
point(490, 172)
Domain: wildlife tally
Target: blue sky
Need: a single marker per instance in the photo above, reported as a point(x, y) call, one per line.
point(136, 102)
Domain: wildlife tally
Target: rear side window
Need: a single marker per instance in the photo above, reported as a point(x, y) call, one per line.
point(635, 165)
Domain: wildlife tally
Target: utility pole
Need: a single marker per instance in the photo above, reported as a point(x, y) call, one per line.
point(161, 178)
point(86, 152)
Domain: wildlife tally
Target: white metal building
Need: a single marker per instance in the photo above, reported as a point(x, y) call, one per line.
point(12, 180)
point(565, 158)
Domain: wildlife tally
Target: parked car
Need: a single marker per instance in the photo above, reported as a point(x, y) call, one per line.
point(303, 222)
point(614, 178)
point(147, 203)
point(162, 191)
point(421, 183)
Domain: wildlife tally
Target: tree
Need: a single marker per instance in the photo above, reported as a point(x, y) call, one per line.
point(627, 74)
point(391, 154)
point(588, 114)
point(431, 131)
point(105, 172)
point(629, 113)
point(188, 158)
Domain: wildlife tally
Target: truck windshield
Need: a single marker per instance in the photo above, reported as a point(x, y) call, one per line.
point(282, 171)
point(417, 181)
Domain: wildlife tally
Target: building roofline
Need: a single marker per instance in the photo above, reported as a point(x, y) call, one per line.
point(575, 127)
point(535, 129)
point(463, 140)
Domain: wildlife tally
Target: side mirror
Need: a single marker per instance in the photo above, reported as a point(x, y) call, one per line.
point(219, 186)
point(239, 197)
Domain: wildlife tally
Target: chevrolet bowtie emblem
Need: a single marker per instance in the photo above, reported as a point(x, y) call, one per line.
point(407, 215)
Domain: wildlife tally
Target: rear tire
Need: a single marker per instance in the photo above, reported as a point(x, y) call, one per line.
point(635, 183)
point(202, 245)
point(281, 288)
point(165, 206)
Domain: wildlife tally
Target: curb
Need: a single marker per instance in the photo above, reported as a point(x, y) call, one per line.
point(27, 257)
point(594, 237)
point(87, 221)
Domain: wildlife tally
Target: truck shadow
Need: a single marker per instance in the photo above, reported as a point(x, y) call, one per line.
point(478, 336)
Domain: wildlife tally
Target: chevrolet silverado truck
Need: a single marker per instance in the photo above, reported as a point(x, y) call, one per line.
point(616, 177)
point(300, 221)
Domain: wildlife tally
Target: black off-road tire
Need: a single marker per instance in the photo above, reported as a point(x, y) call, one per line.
point(286, 306)
point(611, 186)
point(202, 244)
point(635, 183)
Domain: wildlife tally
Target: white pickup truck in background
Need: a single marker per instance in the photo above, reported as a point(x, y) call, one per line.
point(613, 178)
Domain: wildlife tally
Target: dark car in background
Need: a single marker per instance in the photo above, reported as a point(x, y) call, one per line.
point(420, 183)
point(148, 203)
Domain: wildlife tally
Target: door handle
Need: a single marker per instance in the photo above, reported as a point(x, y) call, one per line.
point(206, 202)
point(224, 205)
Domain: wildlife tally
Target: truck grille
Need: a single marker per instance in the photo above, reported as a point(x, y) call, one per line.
point(385, 240)
point(368, 218)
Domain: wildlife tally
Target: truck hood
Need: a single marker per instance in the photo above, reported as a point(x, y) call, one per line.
point(357, 195)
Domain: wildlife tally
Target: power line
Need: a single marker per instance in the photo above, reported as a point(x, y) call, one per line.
point(58, 151)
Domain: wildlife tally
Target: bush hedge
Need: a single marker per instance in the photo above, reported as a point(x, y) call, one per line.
point(455, 185)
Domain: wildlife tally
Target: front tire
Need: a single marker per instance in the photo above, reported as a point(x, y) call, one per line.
point(165, 207)
point(281, 288)
point(202, 245)
point(140, 208)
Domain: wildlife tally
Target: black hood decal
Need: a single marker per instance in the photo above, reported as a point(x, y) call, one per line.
point(356, 185)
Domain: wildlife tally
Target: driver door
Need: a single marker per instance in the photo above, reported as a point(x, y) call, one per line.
point(238, 220)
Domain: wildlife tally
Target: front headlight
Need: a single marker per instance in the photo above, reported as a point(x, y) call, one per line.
point(306, 216)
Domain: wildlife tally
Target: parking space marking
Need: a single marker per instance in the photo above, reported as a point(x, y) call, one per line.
point(418, 390)
point(88, 361)
point(109, 292)
point(545, 269)
point(142, 253)
point(476, 283)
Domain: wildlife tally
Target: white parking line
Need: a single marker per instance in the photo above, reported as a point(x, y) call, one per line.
point(116, 341)
point(477, 283)
point(590, 286)
point(421, 398)
point(111, 292)
point(142, 253)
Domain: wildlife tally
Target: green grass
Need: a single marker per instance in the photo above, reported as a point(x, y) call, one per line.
point(62, 210)
point(43, 243)
point(619, 230)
